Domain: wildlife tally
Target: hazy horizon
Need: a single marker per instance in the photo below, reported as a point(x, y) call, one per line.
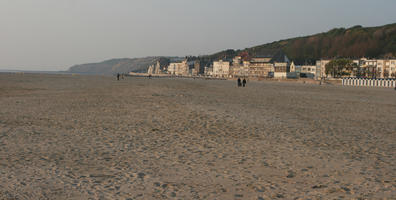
point(54, 35)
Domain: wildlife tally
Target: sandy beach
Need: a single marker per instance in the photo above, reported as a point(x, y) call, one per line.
point(93, 137)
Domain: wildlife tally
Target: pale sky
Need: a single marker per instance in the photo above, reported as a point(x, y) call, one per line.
point(56, 34)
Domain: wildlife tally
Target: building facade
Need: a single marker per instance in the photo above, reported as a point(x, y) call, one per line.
point(386, 68)
point(308, 69)
point(239, 67)
point(260, 67)
point(178, 68)
point(221, 69)
point(208, 71)
point(281, 69)
point(321, 69)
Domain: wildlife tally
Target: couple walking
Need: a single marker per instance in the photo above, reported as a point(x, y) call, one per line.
point(120, 75)
point(243, 83)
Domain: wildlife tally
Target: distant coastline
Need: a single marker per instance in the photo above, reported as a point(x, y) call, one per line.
point(38, 72)
point(33, 71)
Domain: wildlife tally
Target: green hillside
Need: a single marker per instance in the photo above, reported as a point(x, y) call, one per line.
point(355, 42)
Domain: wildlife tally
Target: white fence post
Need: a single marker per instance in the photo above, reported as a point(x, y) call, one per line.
point(369, 82)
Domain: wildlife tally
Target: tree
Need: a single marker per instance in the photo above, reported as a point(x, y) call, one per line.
point(339, 67)
point(386, 73)
point(371, 71)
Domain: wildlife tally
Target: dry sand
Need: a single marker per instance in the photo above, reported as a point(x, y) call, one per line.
point(92, 137)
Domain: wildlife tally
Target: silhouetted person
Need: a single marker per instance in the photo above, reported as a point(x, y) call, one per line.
point(149, 76)
point(239, 82)
point(118, 76)
point(244, 82)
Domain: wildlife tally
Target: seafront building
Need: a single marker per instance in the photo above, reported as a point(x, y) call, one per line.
point(321, 68)
point(197, 68)
point(260, 67)
point(256, 67)
point(292, 67)
point(384, 68)
point(155, 69)
point(179, 68)
point(208, 71)
point(309, 71)
point(239, 68)
point(221, 69)
point(274, 67)
point(381, 68)
point(281, 69)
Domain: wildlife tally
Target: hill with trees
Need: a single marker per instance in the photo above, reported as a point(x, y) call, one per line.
point(354, 42)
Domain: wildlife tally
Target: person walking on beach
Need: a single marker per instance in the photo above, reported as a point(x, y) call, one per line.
point(244, 82)
point(118, 76)
point(239, 82)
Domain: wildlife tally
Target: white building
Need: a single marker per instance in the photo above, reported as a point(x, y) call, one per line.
point(292, 67)
point(178, 68)
point(321, 68)
point(239, 67)
point(150, 69)
point(308, 69)
point(261, 67)
point(157, 68)
point(383, 68)
point(281, 69)
point(221, 68)
point(208, 71)
point(392, 68)
point(386, 68)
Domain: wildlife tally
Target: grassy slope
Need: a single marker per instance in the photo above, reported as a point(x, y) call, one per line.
point(355, 42)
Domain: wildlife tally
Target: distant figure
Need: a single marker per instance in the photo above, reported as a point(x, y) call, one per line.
point(149, 76)
point(118, 76)
point(122, 76)
point(244, 82)
point(239, 82)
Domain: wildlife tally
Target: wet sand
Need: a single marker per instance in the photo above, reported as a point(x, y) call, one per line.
point(92, 137)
